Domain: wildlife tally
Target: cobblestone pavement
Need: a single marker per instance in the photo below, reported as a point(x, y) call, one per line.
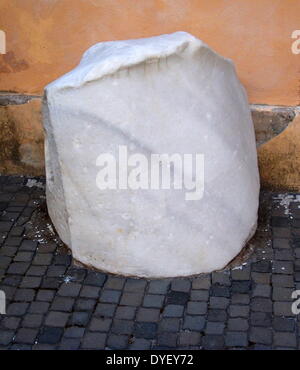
point(52, 304)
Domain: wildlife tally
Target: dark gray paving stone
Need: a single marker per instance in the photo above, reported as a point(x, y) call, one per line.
point(26, 336)
point(211, 342)
point(261, 319)
point(236, 339)
point(6, 337)
point(285, 339)
point(199, 295)
point(173, 310)
point(100, 324)
point(283, 324)
point(237, 324)
point(135, 285)
point(194, 323)
point(214, 328)
point(114, 283)
point(261, 304)
point(74, 332)
point(50, 335)
point(69, 344)
point(203, 282)
point(105, 309)
point(64, 304)
point(95, 278)
point(140, 344)
point(32, 320)
point(125, 312)
point(117, 341)
point(146, 330)
point(94, 341)
point(84, 304)
point(238, 311)
point(260, 335)
point(121, 327)
point(177, 298)
point(153, 300)
point(69, 289)
point(131, 299)
point(148, 314)
point(181, 285)
point(169, 325)
point(56, 319)
point(196, 308)
point(79, 319)
point(218, 302)
point(167, 339)
point(158, 286)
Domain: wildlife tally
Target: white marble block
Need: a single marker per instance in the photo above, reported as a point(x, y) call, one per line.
point(170, 95)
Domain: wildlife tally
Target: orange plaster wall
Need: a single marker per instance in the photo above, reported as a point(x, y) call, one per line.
point(46, 38)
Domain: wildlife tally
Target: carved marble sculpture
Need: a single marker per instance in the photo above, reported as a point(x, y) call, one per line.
point(170, 95)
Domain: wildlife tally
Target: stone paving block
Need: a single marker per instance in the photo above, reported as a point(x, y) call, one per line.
point(169, 325)
point(28, 245)
point(36, 271)
point(146, 330)
point(241, 274)
point(74, 332)
point(159, 286)
point(64, 304)
point(9, 322)
point(24, 295)
point(261, 304)
point(117, 342)
point(135, 285)
point(31, 282)
point(211, 342)
point(56, 271)
point(283, 324)
point(45, 295)
point(282, 294)
point(221, 277)
point(6, 337)
point(69, 289)
point(194, 323)
point(214, 328)
point(286, 281)
point(125, 312)
point(42, 259)
point(283, 309)
point(18, 268)
point(237, 324)
point(32, 320)
point(196, 308)
point(284, 255)
point(17, 309)
point(262, 266)
point(181, 285)
point(114, 283)
point(69, 344)
point(84, 304)
point(262, 290)
point(238, 311)
point(51, 283)
point(203, 282)
point(167, 339)
point(105, 309)
point(283, 267)
point(50, 335)
point(79, 319)
point(240, 286)
point(217, 290)
point(260, 335)
point(131, 299)
point(89, 291)
point(23, 257)
point(218, 302)
point(57, 319)
point(261, 278)
point(177, 298)
point(140, 344)
point(100, 324)
point(26, 336)
point(189, 338)
point(236, 339)
point(148, 315)
point(121, 327)
point(94, 341)
point(285, 339)
point(199, 295)
point(261, 319)
point(153, 300)
point(173, 310)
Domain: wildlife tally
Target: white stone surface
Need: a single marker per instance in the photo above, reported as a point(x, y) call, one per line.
point(165, 94)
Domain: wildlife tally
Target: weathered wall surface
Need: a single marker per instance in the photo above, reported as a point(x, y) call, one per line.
point(45, 39)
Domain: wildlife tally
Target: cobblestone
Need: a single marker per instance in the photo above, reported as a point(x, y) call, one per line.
point(56, 304)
